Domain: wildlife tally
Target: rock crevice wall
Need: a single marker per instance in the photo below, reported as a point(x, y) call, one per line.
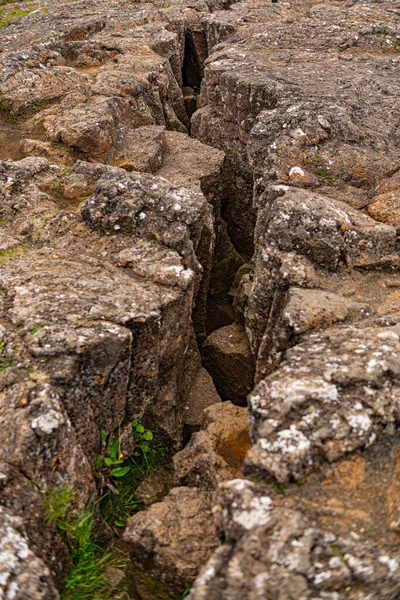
point(262, 249)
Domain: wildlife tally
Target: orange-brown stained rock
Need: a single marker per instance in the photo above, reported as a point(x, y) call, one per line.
point(386, 208)
point(217, 451)
point(393, 497)
point(347, 474)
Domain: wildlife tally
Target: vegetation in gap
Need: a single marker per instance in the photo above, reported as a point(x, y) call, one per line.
point(184, 594)
point(4, 104)
point(11, 253)
point(86, 579)
point(6, 361)
point(122, 477)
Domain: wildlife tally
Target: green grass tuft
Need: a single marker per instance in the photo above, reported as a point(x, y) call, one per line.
point(86, 579)
point(56, 504)
point(6, 361)
point(184, 594)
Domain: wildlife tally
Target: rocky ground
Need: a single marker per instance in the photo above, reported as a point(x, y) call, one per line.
point(200, 201)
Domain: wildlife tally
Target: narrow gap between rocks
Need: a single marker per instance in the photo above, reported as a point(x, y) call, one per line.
point(223, 319)
point(191, 76)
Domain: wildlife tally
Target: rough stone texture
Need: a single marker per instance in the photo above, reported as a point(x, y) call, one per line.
point(281, 95)
point(201, 395)
point(300, 280)
point(23, 575)
point(384, 206)
point(77, 357)
point(171, 541)
point(277, 552)
point(333, 394)
point(105, 282)
point(217, 451)
point(200, 171)
point(226, 355)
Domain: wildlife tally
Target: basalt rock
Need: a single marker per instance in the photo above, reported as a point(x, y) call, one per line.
point(76, 357)
point(216, 452)
point(227, 356)
point(120, 242)
point(301, 280)
point(272, 551)
point(171, 541)
point(335, 393)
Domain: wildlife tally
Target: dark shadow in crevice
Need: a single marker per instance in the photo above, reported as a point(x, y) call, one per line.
point(192, 69)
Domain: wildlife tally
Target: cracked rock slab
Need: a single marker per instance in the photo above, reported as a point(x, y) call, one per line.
point(334, 393)
point(270, 551)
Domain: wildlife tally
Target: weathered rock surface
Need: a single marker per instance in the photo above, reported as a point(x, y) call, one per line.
point(272, 551)
point(201, 395)
point(119, 246)
point(311, 252)
point(215, 453)
point(226, 355)
point(23, 575)
point(171, 541)
point(335, 393)
point(77, 357)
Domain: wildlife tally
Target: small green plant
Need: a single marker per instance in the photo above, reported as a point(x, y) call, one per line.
point(34, 329)
point(337, 552)
point(165, 5)
point(3, 221)
point(40, 106)
point(151, 454)
point(142, 437)
point(30, 331)
point(4, 104)
point(317, 157)
point(184, 594)
point(56, 505)
point(279, 488)
point(108, 463)
point(325, 176)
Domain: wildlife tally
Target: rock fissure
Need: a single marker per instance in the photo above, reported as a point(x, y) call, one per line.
point(199, 202)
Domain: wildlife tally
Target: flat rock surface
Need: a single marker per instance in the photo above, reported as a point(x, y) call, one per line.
point(121, 238)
